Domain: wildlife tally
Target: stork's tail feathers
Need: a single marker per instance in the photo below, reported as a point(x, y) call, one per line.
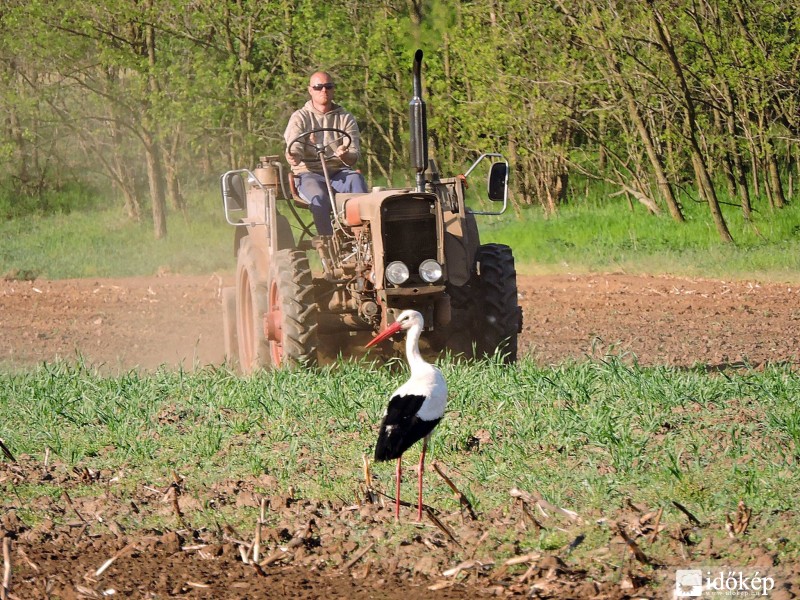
point(390, 444)
point(395, 439)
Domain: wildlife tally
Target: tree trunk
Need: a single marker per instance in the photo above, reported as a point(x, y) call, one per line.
point(602, 157)
point(727, 159)
point(513, 160)
point(123, 177)
point(176, 199)
point(451, 157)
point(754, 166)
point(288, 48)
point(20, 150)
point(155, 179)
point(636, 116)
point(416, 14)
point(120, 171)
point(20, 146)
point(724, 119)
point(704, 183)
point(773, 177)
point(152, 148)
point(733, 152)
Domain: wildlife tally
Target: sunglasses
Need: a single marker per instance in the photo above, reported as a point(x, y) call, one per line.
point(322, 86)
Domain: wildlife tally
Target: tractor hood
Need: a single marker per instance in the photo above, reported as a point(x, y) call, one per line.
point(405, 225)
point(354, 209)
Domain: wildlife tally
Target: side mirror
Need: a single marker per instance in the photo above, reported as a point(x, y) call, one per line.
point(233, 193)
point(498, 181)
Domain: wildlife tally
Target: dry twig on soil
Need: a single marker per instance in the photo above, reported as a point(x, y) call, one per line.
point(369, 494)
point(257, 543)
point(111, 560)
point(299, 538)
point(467, 564)
point(69, 503)
point(741, 521)
point(440, 585)
point(6, 451)
point(440, 525)
point(656, 525)
point(462, 499)
point(257, 536)
point(174, 490)
point(477, 545)
point(633, 546)
point(358, 557)
point(527, 513)
point(6, 589)
point(524, 558)
point(25, 557)
point(544, 505)
point(87, 592)
point(692, 519)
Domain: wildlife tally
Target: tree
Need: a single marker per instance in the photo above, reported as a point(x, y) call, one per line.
point(690, 128)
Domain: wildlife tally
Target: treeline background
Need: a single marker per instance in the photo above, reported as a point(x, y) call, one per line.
point(659, 101)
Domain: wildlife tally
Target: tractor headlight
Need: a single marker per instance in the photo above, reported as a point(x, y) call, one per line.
point(430, 271)
point(397, 272)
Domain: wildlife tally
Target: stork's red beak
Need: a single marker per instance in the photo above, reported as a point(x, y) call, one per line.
point(388, 332)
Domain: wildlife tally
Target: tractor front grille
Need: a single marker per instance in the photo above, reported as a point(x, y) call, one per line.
point(409, 231)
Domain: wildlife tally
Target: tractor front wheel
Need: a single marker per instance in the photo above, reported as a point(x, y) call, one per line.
point(501, 316)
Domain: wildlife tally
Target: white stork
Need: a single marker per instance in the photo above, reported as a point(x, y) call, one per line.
point(415, 408)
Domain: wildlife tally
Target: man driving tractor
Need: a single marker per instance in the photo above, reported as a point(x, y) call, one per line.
point(380, 251)
point(340, 140)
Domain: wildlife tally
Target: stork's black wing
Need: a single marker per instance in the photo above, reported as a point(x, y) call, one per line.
point(401, 428)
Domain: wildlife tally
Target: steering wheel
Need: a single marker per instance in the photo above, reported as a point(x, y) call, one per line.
point(327, 149)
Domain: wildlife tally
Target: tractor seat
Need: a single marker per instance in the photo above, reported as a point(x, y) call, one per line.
point(298, 200)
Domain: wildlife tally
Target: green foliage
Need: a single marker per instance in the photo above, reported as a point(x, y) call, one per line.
point(586, 436)
point(104, 243)
point(597, 234)
point(563, 89)
point(71, 197)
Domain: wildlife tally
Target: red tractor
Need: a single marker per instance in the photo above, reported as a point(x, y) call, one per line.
point(392, 249)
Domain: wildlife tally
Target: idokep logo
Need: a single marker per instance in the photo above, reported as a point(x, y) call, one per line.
point(689, 583)
point(715, 582)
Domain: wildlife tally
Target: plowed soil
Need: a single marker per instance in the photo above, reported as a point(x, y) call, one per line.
point(143, 323)
point(175, 320)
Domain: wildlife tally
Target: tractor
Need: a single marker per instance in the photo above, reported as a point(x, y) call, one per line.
point(299, 297)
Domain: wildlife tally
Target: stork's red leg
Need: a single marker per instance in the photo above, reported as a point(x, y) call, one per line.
point(419, 481)
point(397, 495)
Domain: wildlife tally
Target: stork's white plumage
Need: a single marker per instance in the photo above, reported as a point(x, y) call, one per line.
point(415, 408)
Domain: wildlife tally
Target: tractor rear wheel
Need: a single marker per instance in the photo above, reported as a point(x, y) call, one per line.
point(291, 317)
point(501, 316)
point(251, 306)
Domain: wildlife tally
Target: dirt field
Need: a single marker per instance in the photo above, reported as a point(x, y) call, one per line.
point(146, 322)
point(149, 321)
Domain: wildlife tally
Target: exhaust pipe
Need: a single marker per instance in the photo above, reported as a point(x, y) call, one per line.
point(419, 126)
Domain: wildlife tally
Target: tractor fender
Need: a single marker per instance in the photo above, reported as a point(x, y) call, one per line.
point(239, 233)
point(258, 233)
point(461, 243)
